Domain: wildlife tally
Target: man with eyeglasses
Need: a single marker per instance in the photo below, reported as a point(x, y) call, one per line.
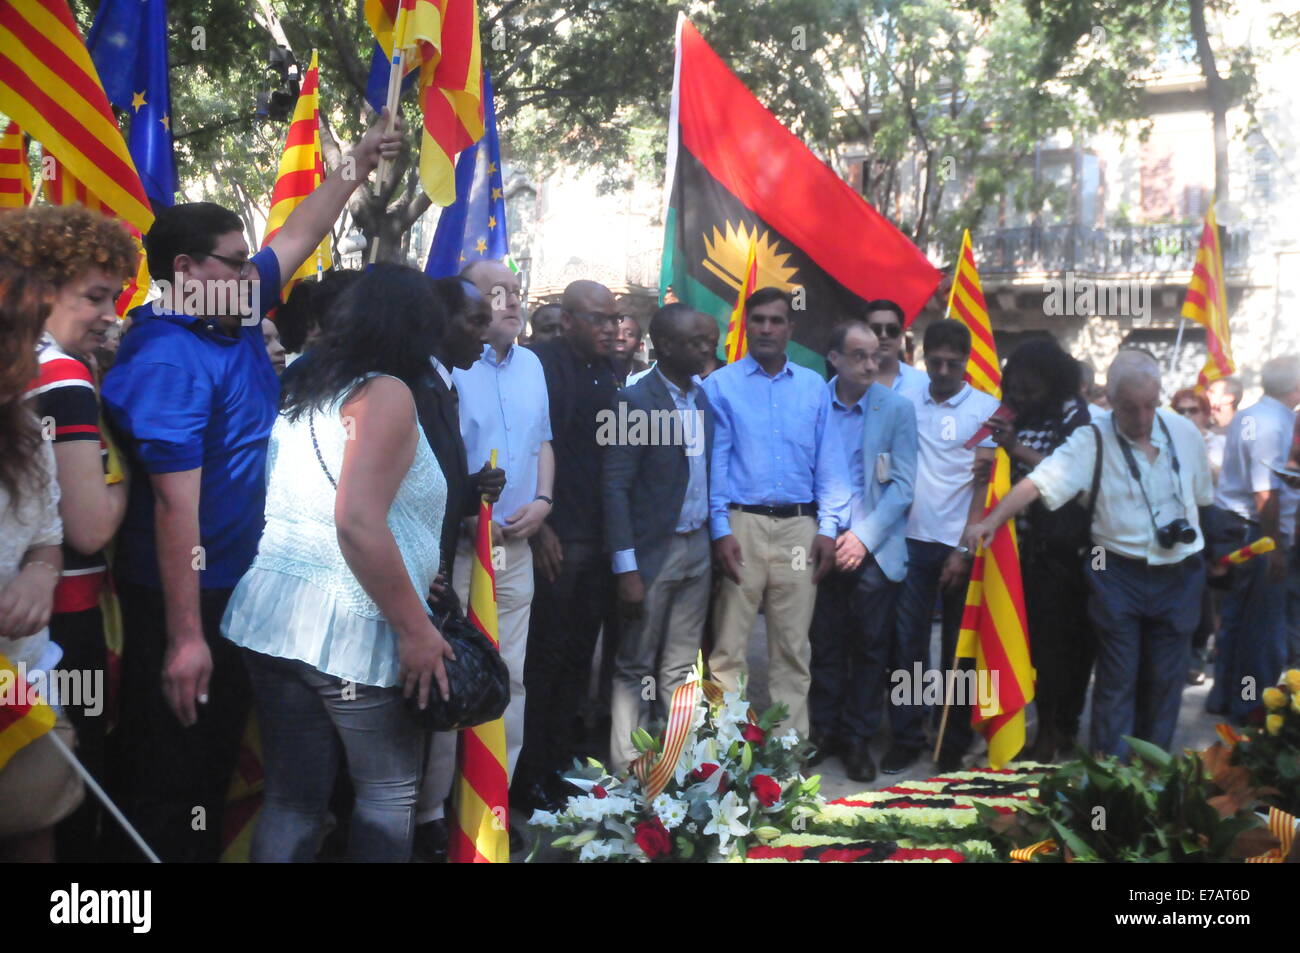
point(193, 396)
point(572, 577)
point(950, 490)
point(885, 319)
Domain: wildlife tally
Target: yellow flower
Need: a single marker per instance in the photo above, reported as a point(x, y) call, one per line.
point(1295, 703)
point(1273, 723)
point(1274, 699)
point(1292, 679)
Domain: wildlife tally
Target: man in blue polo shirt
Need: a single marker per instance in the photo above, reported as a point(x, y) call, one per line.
point(193, 397)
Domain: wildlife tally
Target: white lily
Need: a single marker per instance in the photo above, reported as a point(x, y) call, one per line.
point(726, 822)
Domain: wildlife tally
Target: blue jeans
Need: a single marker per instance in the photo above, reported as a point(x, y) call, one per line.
point(302, 715)
point(1252, 647)
point(1143, 617)
point(911, 643)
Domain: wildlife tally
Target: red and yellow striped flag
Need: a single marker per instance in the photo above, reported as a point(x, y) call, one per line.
point(994, 633)
point(737, 345)
point(61, 187)
point(1265, 544)
point(442, 37)
point(15, 176)
point(1207, 304)
point(966, 304)
point(49, 86)
point(302, 169)
point(23, 718)
point(480, 826)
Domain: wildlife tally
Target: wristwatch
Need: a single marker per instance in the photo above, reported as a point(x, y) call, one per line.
point(963, 550)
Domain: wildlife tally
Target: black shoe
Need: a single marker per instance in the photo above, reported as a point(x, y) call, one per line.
point(534, 796)
point(899, 758)
point(430, 844)
point(858, 764)
point(824, 745)
point(516, 841)
point(948, 762)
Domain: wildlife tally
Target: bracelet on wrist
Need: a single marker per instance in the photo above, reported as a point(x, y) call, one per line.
point(41, 562)
point(545, 499)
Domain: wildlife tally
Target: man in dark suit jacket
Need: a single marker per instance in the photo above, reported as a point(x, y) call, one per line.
point(438, 406)
point(658, 439)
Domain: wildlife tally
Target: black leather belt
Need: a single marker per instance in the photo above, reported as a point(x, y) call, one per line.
point(778, 512)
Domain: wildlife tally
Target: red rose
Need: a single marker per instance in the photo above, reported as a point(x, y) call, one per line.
point(704, 771)
point(754, 734)
point(765, 789)
point(598, 792)
point(722, 782)
point(652, 837)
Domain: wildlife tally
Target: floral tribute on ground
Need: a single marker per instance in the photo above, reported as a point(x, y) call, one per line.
point(717, 784)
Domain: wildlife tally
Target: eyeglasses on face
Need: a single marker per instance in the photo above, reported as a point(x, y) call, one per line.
point(1188, 409)
point(241, 265)
point(886, 330)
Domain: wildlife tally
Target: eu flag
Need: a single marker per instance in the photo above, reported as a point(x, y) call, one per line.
point(128, 43)
point(474, 226)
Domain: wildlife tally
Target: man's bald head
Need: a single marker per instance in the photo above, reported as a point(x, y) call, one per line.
point(500, 286)
point(590, 317)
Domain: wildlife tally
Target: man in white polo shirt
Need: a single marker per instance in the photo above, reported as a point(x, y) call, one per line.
point(949, 494)
point(1252, 649)
point(503, 407)
point(1145, 573)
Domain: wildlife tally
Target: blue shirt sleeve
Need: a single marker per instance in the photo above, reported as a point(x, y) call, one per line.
point(831, 480)
point(719, 487)
point(270, 282)
point(165, 408)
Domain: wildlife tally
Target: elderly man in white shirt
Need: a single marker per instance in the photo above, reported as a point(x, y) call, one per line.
point(1252, 647)
point(1145, 571)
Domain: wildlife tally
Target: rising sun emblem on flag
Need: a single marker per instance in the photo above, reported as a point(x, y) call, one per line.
point(726, 253)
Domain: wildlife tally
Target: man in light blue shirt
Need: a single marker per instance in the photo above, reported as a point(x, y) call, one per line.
point(1252, 647)
point(779, 493)
point(853, 621)
point(503, 407)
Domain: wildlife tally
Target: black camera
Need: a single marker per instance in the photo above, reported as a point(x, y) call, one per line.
point(1175, 532)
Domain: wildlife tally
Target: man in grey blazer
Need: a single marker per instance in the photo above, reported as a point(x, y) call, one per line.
point(657, 439)
point(853, 620)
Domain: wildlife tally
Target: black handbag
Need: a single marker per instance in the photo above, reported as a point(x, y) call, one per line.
point(478, 682)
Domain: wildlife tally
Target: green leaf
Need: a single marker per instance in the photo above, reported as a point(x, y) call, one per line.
point(1152, 754)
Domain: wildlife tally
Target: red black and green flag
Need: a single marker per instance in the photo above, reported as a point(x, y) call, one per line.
point(736, 176)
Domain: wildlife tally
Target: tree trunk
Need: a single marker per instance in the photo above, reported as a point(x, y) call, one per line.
point(1217, 90)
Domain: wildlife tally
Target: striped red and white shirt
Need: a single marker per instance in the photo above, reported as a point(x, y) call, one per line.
point(65, 398)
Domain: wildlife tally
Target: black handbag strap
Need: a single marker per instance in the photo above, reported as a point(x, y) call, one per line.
point(311, 425)
point(1096, 475)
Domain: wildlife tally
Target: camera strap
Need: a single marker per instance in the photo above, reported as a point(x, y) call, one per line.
point(1129, 458)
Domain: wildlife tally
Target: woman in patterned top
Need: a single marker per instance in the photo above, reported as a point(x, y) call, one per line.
point(37, 786)
point(1040, 384)
point(85, 258)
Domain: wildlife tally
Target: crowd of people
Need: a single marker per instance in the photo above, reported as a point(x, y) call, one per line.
point(283, 536)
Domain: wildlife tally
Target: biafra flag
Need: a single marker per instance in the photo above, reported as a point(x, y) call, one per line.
point(736, 175)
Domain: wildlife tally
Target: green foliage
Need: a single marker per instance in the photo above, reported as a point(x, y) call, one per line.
point(1153, 810)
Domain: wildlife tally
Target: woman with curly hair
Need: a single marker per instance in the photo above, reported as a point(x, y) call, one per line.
point(1040, 384)
point(37, 786)
point(84, 257)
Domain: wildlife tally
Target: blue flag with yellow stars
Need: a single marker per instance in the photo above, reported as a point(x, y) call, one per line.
point(474, 226)
point(128, 44)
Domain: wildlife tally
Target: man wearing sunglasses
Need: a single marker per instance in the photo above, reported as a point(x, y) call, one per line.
point(193, 397)
point(572, 578)
point(885, 319)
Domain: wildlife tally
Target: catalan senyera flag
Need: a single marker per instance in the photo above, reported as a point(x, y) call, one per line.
point(736, 176)
point(966, 304)
point(480, 827)
point(1207, 304)
point(15, 175)
point(49, 86)
point(442, 37)
point(302, 169)
point(994, 632)
point(22, 719)
point(63, 188)
point(737, 345)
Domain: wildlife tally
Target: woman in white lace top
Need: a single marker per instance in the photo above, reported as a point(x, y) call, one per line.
point(331, 614)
